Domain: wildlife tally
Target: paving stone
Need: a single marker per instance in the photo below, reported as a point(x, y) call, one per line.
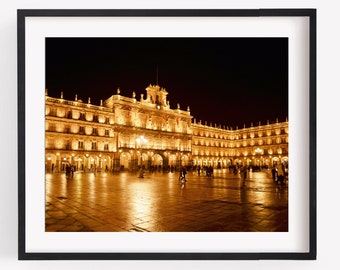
point(159, 203)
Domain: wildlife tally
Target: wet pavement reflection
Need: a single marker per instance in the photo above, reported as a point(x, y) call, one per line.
point(159, 202)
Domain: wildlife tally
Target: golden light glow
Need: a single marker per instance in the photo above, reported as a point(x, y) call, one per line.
point(74, 128)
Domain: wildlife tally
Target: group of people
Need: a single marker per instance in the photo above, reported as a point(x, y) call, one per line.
point(279, 173)
point(207, 170)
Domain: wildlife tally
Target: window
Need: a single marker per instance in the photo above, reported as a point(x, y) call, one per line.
point(94, 132)
point(53, 112)
point(106, 146)
point(51, 127)
point(69, 115)
point(80, 145)
point(94, 146)
point(106, 132)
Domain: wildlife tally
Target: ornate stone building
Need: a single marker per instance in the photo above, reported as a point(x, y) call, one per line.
point(124, 132)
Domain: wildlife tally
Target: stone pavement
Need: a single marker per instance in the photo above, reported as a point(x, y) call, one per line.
point(159, 202)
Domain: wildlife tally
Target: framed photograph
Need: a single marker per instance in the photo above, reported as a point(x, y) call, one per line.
point(167, 134)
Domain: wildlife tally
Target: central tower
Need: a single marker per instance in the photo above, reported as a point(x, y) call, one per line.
point(157, 95)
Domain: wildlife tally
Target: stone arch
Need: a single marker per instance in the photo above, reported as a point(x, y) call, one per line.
point(172, 160)
point(237, 161)
point(219, 163)
point(157, 160)
point(185, 160)
point(125, 160)
point(204, 161)
point(284, 159)
point(79, 162)
point(143, 159)
point(275, 161)
point(105, 162)
point(91, 162)
point(50, 162)
point(65, 159)
point(196, 161)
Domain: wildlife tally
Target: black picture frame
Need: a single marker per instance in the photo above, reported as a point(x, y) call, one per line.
point(24, 255)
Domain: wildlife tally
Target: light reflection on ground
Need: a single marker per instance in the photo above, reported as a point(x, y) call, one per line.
point(159, 202)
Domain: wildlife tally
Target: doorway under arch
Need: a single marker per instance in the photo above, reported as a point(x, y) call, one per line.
point(157, 160)
point(125, 160)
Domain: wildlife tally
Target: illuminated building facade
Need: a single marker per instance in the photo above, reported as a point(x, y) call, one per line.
point(126, 133)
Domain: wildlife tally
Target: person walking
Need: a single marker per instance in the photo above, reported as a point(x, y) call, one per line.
point(274, 173)
point(182, 174)
point(280, 173)
point(244, 174)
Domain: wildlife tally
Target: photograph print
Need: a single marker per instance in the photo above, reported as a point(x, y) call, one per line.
point(166, 135)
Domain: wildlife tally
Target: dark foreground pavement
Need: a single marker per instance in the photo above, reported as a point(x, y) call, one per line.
point(123, 202)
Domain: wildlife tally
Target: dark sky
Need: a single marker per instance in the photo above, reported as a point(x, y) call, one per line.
point(228, 81)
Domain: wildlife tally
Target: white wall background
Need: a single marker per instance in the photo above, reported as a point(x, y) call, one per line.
point(328, 109)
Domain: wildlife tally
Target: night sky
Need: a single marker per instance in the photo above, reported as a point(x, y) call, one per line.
point(227, 81)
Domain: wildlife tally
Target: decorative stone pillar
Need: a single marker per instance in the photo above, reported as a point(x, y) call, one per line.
point(58, 163)
point(116, 162)
point(165, 162)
